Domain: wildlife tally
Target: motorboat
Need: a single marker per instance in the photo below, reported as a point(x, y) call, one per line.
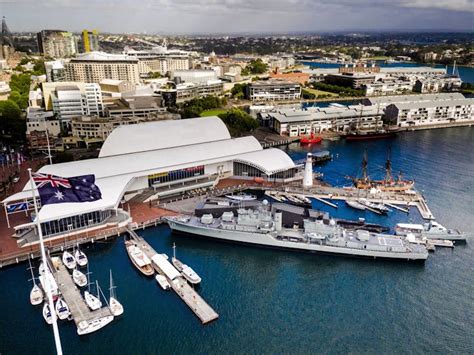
point(80, 257)
point(62, 309)
point(92, 301)
point(164, 284)
point(188, 273)
point(47, 315)
point(115, 306)
point(356, 205)
point(242, 197)
point(79, 278)
point(87, 327)
point(139, 259)
point(373, 206)
point(69, 260)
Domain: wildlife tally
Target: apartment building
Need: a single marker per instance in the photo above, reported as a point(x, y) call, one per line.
point(56, 43)
point(273, 90)
point(430, 113)
point(94, 67)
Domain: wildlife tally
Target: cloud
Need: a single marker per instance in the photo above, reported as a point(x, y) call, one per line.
point(198, 16)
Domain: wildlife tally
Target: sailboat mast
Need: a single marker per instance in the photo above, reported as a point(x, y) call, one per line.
point(174, 251)
point(31, 270)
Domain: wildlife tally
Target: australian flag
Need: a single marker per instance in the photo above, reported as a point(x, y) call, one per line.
point(55, 189)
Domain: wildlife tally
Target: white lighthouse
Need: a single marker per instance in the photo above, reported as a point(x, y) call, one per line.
point(308, 172)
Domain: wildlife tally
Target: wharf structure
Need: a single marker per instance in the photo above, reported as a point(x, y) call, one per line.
point(148, 160)
point(179, 285)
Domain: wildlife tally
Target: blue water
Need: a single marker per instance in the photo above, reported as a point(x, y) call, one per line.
point(273, 301)
point(466, 73)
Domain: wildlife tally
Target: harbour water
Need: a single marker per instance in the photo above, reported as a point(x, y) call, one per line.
point(273, 301)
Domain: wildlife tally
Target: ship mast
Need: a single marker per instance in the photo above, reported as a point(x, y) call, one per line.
point(388, 169)
point(364, 167)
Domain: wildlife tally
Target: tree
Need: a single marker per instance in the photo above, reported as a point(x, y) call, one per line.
point(238, 122)
point(238, 91)
point(256, 66)
point(11, 123)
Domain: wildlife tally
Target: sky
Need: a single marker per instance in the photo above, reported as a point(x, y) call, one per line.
point(238, 16)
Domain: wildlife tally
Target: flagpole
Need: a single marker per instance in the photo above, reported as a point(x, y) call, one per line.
point(57, 339)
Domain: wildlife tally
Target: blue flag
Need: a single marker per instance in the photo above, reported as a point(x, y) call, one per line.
point(55, 189)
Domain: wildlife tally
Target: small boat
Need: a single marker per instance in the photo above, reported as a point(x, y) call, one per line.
point(165, 285)
point(79, 278)
point(48, 278)
point(441, 243)
point(139, 259)
point(69, 260)
point(311, 139)
point(36, 295)
point(80, 257)
point(62, 309)
point(356, 205)
point(188, 273)
point(87, 327)
point(47, 315)
point(115, 306)
point(92, 301)
point(242, 197)
point(378, 207)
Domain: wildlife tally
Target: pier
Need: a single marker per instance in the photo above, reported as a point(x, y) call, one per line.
point(187, 293)
point(72, 295)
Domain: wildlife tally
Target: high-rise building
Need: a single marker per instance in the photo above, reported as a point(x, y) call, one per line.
point(56, 43)
point(90, 40)
point(94, 67)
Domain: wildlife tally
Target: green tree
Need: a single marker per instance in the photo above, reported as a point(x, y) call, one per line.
point(256, 66)
point(238, 122)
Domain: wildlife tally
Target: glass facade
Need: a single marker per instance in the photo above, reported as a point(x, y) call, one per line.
point(75, 222)
point(175, 175)
point(245, 170)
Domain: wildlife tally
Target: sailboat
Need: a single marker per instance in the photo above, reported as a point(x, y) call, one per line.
point(115, 306)
point(45, 272)
point(62, 309)
point(387, 184)
point(36, 295)
point(79, 278)
point(188, 273)
point(81, 258)
point(69, 260)
point(92, 301)
point(47, 315)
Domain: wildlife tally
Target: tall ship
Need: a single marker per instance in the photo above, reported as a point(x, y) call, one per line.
point(358, 133)
point(388, 183)
point(263, 228)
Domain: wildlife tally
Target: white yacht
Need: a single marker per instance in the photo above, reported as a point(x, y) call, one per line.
point(430, 230)
point(242, 197)
point(47, 315)
point(80, 257)
point(87, 327)
point(356, 205)
point(92, 301)
point(79, 278)
point(62, 309)
point(262, 227)
point(47, 277)
point(115, 306)
point(69, 260)
point(188, 273)
point(139, 259)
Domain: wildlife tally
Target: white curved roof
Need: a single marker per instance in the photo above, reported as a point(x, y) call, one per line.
point(163, 134)
point(270, 161)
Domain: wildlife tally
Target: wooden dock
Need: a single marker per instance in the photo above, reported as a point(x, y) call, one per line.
point(73, 297)
point(194, 301)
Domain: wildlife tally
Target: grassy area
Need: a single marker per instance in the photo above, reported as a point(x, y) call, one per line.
point(213, 112)
point(320, 92)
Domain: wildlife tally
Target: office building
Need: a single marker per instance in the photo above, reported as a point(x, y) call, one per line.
point(94, 67)
point(196, 76)
point(273, 90)
point(56, 43)
point(352, 80)
point(55, 71)
point(160, 59)
point(90, 41)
